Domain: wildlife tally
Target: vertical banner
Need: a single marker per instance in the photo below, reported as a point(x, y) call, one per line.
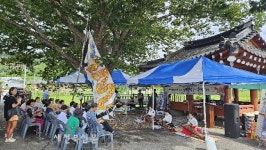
point(99, 76)
point(262, 111)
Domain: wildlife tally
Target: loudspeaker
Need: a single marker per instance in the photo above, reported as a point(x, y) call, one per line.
point(231, 120)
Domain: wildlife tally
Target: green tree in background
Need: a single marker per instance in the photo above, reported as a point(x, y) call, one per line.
point(126, 32)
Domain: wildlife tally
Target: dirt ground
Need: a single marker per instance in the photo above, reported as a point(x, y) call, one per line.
point(134, 137)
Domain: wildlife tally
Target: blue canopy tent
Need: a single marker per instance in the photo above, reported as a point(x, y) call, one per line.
point(118, 77)
point(199, 70)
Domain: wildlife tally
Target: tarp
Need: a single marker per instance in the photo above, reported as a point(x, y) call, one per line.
point(197, 70)
point(74, 77)
point(119, 78)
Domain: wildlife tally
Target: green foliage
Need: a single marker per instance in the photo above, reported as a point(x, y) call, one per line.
point(126, 32)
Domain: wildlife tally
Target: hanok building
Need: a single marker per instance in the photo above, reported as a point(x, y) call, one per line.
point(241, 47)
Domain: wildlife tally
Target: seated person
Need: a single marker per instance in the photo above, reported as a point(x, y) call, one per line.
point(49, 109)
point(150, 115)
point(72, 108)
point(93, 121)
point(118, 103)
point(62, 116)
point(38, 103)
point(61, 103)
point(191, 128)
point(23, 104)
point(131, 103)
point(36, 115)
point(73, 121)
point(166, 121)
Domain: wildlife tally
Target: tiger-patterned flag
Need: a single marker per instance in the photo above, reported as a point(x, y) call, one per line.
point(102, 83)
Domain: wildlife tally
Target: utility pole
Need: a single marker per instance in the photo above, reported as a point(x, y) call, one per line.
point(25, 75)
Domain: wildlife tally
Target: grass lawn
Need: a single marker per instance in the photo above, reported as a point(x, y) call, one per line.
point(66, 96)
point(244, 96)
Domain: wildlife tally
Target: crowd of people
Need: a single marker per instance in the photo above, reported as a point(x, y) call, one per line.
point(84, 116)
point(74, 115)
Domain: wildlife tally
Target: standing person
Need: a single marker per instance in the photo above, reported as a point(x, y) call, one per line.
point(140, 98)
point(11, 102)
point(45, 93)
point(155, 99)
point(117, 95)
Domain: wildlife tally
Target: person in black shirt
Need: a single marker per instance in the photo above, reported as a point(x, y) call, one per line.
point(140, 99)
point(11, 102)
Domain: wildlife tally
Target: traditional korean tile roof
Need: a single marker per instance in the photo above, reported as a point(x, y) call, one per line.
point(242, 34)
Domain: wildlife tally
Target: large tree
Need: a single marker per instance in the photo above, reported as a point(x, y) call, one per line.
point(126, 32)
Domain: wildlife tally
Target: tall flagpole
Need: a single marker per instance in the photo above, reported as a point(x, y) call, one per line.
point(83, 47)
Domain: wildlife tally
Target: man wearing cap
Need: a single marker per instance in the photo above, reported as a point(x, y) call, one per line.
point(73, 121)
point(94, 122)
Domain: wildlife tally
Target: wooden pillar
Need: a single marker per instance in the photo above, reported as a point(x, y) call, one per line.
point(190, 102)
point(210, 116)
point(227, 95)
point(254, 99)
point(236, 95)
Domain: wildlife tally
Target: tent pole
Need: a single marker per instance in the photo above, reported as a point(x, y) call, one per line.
point(153, 105)
point(75, 88)
point(204, 107)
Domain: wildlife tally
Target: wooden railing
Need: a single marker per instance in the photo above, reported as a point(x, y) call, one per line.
point(218, 109)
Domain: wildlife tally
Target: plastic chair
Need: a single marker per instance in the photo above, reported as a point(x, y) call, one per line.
point(28, 123)
point(262, 139)
point(68, 137)
point(94, 139)
point(84, 139)
point(54, 127)
point(61, 133)
point(22, 119)
point(47, 123)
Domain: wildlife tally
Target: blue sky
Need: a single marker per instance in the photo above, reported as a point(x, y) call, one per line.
point(215, 29)
point(263, 32)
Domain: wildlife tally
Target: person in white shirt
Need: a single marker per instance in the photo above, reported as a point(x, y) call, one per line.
point(167, 117)
point(192, 120)
point(166, 121)
point(72, 108)
point(150, 115)
point(24, 106)
point(63, 115)
point(38, 103)
point(191, 127)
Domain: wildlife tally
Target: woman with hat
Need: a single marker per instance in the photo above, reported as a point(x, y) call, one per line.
point(73, 121)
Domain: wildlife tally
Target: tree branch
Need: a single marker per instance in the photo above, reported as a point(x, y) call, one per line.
point(41, 36)
point(77, 35)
